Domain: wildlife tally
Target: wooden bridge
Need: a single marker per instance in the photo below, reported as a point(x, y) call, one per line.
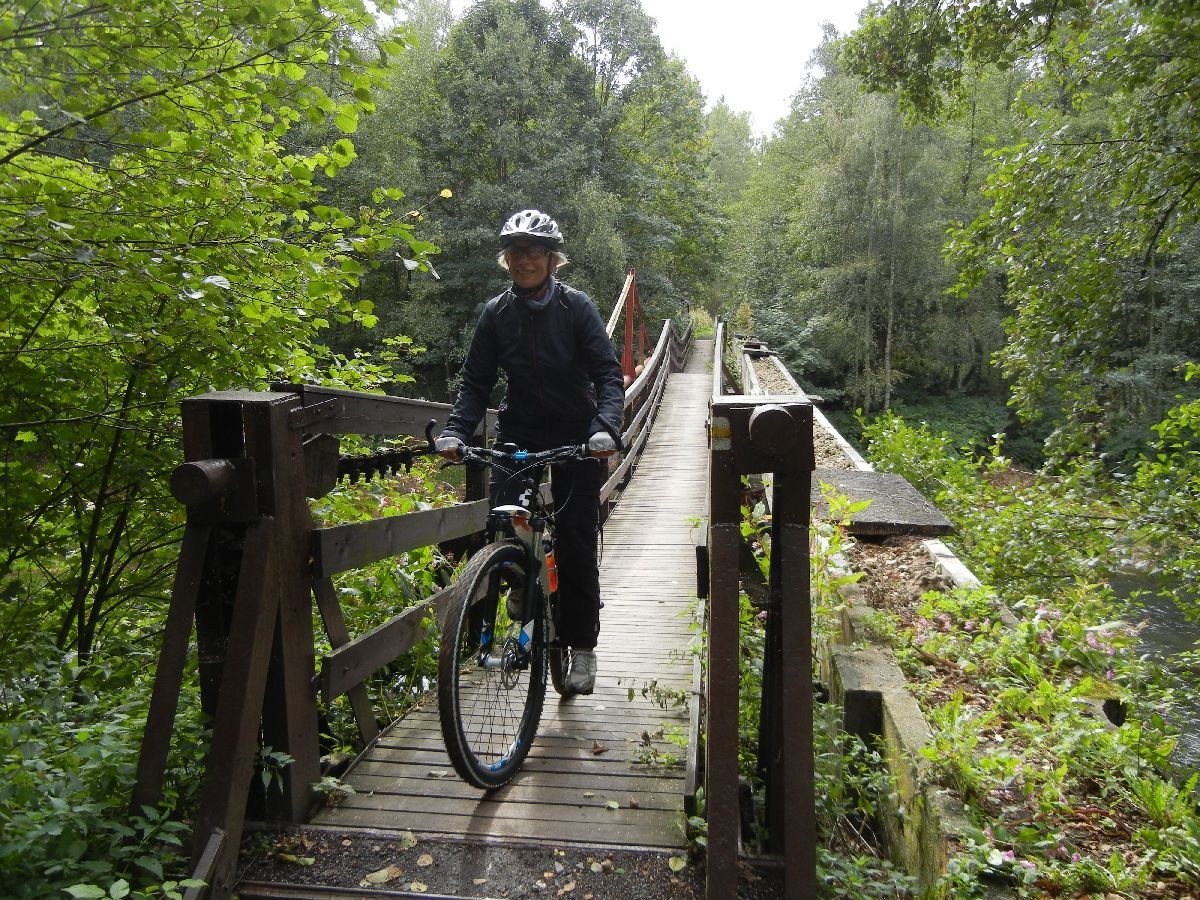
point(649, 588)
point(252, 562)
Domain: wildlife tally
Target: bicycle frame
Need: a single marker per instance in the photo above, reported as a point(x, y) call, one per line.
point(529, 527)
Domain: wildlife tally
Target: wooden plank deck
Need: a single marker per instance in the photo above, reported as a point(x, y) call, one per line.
point(405, 782)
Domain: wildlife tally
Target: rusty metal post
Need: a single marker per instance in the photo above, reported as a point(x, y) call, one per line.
point(627, 362)
point(641, 317)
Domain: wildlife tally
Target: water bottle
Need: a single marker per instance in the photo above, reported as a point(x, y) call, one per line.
point(551, 568)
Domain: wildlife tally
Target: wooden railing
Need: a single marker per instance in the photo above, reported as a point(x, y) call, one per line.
point(252, 561)
point(747, 435)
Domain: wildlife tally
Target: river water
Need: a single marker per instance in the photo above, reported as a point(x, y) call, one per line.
point(1167, 634)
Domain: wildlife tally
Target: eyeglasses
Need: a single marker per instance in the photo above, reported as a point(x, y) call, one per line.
point(529, 251)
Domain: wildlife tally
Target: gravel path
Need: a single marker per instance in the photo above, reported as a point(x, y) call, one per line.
point(411, 867)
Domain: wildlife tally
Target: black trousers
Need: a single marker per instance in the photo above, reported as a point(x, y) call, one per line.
point(575, 486)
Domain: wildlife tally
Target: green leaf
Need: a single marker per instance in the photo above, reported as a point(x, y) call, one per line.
point(347, 119)
point(86, 891)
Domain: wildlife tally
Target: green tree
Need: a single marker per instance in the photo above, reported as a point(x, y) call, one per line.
point(159, 240)
point(843, 223)
point(1088, 211)
point(1091, 225)
point(575, 110)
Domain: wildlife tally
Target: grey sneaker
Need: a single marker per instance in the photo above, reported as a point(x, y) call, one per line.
point(583, 671)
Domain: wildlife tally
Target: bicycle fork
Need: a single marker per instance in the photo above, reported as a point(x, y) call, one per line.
point(529, 530)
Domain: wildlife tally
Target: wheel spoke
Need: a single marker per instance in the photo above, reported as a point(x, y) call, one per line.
point(490, 701)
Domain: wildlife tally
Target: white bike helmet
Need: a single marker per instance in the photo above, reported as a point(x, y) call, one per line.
point(531, 225)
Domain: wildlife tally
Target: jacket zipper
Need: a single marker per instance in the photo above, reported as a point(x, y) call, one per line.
point(537, 369)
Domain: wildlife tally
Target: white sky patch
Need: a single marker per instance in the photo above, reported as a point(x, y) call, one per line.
point(752, 53)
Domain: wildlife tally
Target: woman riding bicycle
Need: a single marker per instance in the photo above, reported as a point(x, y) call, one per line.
point(564, 386)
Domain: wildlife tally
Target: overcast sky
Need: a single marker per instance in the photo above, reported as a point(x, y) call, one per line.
point(754, 53)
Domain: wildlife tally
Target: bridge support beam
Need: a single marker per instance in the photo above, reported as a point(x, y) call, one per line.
point(244, 579)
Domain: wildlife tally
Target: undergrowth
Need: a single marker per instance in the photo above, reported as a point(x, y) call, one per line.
point(72, 730)
point(1062, 802)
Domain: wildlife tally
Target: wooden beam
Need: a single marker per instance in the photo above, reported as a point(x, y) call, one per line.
point(354, 662)
point(360, 412)
point(335, 628)
point(340, 548)
point(230, 763)
point(168, 678)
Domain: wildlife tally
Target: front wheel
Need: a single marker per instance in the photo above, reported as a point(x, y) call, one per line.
point(490, 689)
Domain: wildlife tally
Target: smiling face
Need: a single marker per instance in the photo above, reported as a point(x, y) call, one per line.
point(528, 263)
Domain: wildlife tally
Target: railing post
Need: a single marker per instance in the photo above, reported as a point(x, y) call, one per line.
point(289, 714)
point(244, 575)
point(628, 364)
point(720, 757)
point(756, 435)
point(785, 432)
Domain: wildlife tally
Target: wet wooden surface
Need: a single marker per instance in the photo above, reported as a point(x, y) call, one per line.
point(612, 745)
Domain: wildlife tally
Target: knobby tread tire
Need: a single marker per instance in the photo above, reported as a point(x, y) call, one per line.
point(464, 742)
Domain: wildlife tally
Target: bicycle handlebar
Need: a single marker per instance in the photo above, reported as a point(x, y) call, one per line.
point(488, 456)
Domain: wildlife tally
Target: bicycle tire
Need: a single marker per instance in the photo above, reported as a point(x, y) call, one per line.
point(489, 713)
point(560, 668)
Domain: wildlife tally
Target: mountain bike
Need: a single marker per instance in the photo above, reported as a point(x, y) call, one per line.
point(498, 639)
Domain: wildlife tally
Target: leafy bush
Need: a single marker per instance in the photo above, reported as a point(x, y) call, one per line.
point(1052, 786)
point(1022, 539)
point(69, 752)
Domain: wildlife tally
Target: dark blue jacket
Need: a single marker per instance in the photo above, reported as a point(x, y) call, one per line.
point(564, 381)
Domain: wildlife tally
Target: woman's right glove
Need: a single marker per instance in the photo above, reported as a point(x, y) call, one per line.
point(602, 444)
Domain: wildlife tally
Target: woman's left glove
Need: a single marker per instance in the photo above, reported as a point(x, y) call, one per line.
point(450, 447)
point(602, 444)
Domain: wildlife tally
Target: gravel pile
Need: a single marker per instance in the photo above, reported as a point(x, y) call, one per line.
point(828, 451)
